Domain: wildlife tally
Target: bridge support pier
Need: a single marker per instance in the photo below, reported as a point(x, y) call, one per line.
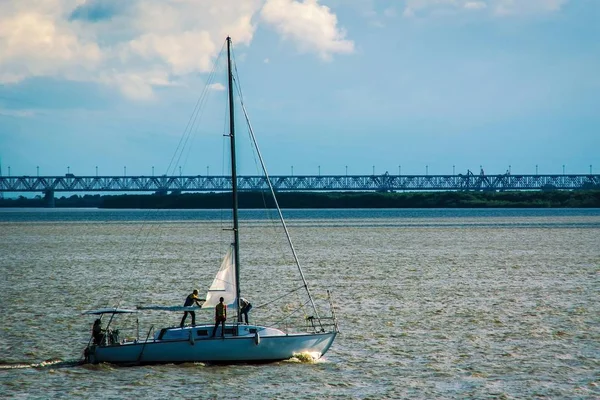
point(49, 198)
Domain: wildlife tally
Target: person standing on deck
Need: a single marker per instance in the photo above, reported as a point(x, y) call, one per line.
point(246, 307)
point(98, 332)
point(220, 317)
point(189, 301)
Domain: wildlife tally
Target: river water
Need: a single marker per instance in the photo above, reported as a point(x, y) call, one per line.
point(444, 304)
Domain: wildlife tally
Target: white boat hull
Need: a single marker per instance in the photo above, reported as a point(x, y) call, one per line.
point(185, 345)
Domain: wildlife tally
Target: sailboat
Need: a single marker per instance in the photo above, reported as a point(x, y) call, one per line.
point(238, 341)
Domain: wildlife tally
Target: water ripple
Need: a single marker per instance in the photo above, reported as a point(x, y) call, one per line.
point(445, 306)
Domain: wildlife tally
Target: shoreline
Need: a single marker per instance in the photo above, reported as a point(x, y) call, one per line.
point(320, 200)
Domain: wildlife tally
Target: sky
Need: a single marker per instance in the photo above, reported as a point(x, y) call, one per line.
point(330, 86)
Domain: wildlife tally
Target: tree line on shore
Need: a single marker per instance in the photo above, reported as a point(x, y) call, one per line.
point(532, 199)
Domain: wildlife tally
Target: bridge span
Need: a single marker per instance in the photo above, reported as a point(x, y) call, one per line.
point(48, 185)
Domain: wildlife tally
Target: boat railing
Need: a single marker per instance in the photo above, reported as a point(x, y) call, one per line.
point(128, 334)
point(309, 323)
point(296, 321)
point(332, 308)
point(118, 335)
point(323, 324)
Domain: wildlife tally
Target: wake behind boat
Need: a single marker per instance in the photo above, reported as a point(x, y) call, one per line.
point(300, 332)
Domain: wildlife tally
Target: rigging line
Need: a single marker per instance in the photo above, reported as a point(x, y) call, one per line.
point(191, 127)
point(290, 314)
point(287, 234)
point(256, 152)
point(267, 209)
point(139, 245)
point(199, 114)
point(182, 139)
point(195, 113)
point(268, 179)
point(239, 91)
point(225, 223)
point(268, 212)
point(280, 297)
point(144, 231)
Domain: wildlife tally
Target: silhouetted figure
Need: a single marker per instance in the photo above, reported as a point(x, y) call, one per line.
point(189, 301)
point(98, 332)
point(246, 307)
point(220, 317)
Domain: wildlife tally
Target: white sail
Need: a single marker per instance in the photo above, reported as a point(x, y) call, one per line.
point(224, 283)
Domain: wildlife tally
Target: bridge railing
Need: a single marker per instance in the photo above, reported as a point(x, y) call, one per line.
point(386, 182)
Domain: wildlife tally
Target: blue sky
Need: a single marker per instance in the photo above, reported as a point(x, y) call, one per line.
point(331, 83)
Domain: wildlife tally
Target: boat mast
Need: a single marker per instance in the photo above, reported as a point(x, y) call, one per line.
point(234, 189)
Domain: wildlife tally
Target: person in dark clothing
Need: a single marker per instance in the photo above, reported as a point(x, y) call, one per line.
point(98, 332)
point(246, 307)
point(189, 301)
point(220, 317)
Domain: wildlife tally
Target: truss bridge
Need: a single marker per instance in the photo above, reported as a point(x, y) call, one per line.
point(301, 183)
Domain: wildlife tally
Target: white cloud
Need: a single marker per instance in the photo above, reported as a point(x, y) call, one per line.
point(131, 45)
point(216, 86)
point(512, 7)
point(313, 27)
point(135, 45)
point(132, 85)
point(389, 12)
point(136, 84)
point(184, 53)
point(496, 7)
point(408, 12)
point(37, 44)
point(23, 113)
point(475, 5)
